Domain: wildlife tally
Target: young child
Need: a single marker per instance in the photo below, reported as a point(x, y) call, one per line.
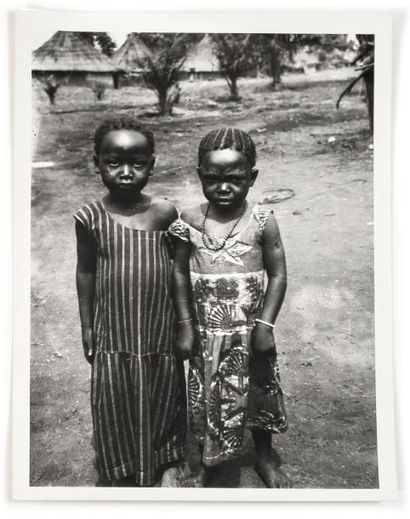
point(124, 278)
point(224, 248)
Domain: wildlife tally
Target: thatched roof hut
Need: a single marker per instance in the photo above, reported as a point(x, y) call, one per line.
point(202, 61)
point(305, 60)
point(68, 53)
point(132, 54)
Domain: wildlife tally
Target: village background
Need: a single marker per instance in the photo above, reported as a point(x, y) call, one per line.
point(316, 168)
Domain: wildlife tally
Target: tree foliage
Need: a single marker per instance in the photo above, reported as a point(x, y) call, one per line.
point(102, 39)
point(50, 83)
point(167, 53)
point(236, 55)
point(99, 88)
point(364, 62)
point(275, 49)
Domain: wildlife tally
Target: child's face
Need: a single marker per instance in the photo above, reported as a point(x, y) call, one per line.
point(226, 177)
point(124, 161)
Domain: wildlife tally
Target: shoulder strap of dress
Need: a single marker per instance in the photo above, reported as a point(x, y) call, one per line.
point(180, 229)
point(261, 216)
point(86, 215)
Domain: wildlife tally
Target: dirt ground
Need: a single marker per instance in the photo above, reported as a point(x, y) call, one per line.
point(325, 329)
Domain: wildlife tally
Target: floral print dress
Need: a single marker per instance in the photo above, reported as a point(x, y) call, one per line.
point(225, 398)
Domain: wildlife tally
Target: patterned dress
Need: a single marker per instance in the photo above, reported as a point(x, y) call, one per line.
point(137, 391)
point(225, 398)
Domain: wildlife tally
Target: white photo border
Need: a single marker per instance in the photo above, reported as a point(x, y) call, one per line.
point(26, 23)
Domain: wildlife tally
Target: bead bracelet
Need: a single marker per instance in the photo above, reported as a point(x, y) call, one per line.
point(265, 323)
point(185, 321)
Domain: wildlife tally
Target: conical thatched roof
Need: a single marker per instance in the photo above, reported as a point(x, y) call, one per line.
point(132, 53)
point(202, 57)
point(68, 52)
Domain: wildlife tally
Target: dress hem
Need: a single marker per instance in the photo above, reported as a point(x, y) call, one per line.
point(142, 478)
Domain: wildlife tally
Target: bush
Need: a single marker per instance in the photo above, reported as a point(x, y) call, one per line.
point(50, 83)
point(99, 89)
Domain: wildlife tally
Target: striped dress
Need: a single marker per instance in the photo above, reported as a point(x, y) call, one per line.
point(137, 388)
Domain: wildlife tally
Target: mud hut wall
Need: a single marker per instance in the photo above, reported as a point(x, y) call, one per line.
point(194, 75)
point(106, 78)
point(77, 78)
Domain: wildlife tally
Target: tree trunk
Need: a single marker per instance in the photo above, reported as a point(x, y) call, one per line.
point(369, 84)
point(233, 88)
point(116, 80)
point(275, 64)
point(164, 103)
point(51, 92)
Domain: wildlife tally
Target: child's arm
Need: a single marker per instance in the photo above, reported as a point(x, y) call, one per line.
point(275, 266)
point(85, 277)
point(182, 298)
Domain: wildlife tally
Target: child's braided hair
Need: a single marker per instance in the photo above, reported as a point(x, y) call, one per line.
point(231, 138)
point(121, 123)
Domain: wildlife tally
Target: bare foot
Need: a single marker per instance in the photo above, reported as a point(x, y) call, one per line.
point(173, 477)
point(272, 475)
point(198, 479)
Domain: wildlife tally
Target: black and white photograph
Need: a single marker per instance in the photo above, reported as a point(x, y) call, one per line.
point(202, 260)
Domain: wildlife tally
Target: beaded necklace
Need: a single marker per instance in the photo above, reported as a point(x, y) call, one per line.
point(206, 240)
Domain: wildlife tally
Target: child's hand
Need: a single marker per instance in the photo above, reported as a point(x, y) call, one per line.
point(88, 343)
point(263, 340)
point(264, 349)
point(185, 339)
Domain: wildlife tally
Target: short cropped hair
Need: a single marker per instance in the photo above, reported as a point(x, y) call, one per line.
point(232, 138)
point(121, 123)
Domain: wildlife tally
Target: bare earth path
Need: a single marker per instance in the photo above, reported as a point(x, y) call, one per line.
point(325, 329)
